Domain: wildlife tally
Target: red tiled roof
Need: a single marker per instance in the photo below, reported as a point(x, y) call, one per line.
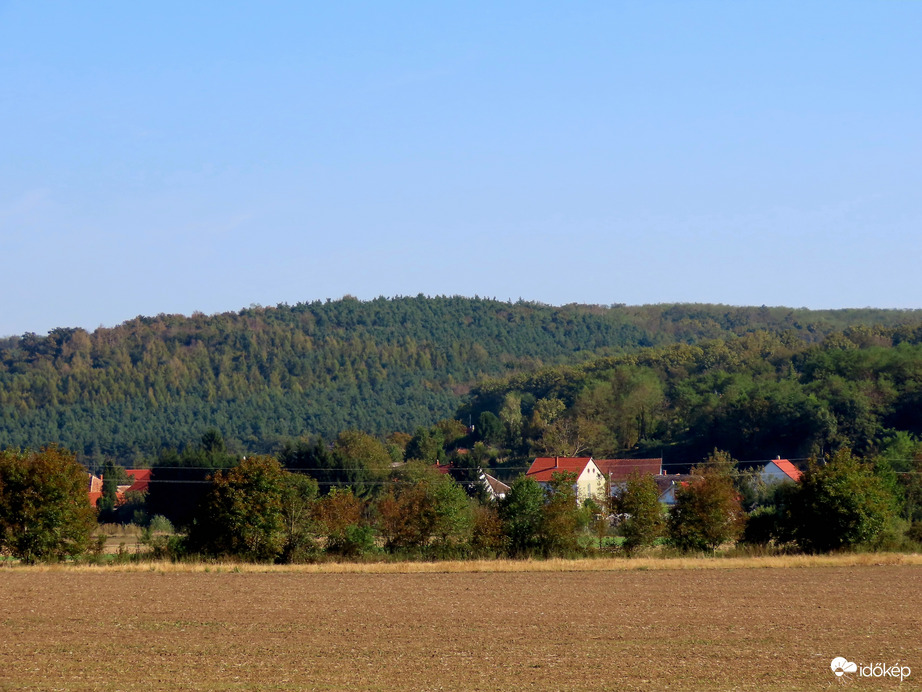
point(620, 469)
point(140, 478)
point(788, 468)
point(94, 497)
point(543, 468)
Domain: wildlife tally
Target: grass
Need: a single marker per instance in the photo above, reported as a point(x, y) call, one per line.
point(500, 566)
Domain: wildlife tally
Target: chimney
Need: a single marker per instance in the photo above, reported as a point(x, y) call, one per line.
point(555, 461)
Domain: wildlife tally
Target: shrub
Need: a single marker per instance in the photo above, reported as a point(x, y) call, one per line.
point(487, 537)
point(160, 524)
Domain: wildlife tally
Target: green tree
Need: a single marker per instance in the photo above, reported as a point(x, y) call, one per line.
point(44, 506)
point(365, 457)
point(113, 476)
point(641, 515)
point(299, 497)
point(561, 516)
point(840, 504)
point(242, 513)
point(490, 428)
point(427, 444)
point(707, 512)
point(511, 417)
point(521, 512)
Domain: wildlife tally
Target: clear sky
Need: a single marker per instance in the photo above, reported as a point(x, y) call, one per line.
point(180, 156)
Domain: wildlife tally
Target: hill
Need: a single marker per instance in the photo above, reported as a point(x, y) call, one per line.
point(756, 396)
point(266, 374)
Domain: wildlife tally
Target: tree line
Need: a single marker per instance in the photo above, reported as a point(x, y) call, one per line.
point(255, 509)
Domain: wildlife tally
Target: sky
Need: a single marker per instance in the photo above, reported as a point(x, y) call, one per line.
point(172, 157)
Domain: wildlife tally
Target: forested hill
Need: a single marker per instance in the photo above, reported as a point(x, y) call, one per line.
point(262, 375)
point(755, 396)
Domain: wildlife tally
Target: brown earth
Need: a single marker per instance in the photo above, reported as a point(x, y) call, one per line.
point(741, 629)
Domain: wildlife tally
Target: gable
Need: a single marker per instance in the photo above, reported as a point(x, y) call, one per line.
point(780, 470)
point(542, 468)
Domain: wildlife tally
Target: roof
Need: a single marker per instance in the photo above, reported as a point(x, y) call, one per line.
point(496, 485)
point(140, 480)
point(620, 469)
point(663, 483)
point(787, 468)
point(543, 468)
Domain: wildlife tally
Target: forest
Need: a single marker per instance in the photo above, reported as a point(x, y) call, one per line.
point(672, 379)
point(757, 396)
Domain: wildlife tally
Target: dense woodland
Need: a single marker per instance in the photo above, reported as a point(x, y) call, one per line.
point(672, 379)
point(756, 396)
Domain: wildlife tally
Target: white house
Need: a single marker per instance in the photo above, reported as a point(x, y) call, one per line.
point(780, 471)
point(590, 481)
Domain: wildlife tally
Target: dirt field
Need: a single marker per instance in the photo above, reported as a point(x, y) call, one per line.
point(722, 629)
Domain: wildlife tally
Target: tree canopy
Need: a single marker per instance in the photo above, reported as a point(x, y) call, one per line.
point(44, 506)
point(265, 375)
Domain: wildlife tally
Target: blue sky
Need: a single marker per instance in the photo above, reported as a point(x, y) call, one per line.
point(159, 157)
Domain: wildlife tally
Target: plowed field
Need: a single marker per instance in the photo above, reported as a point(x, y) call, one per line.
point(743, 629)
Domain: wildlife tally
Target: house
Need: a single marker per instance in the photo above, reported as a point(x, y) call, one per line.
point(140, 482)
point(669, 484)
point(617, 471)
point(780, 471)
point(590, 481)
point(95, 490)
point(495, 488)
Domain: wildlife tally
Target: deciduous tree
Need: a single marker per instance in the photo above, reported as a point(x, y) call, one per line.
point(242, 515)
point(707, 512)
point(641, 515)
point(840, 504)
point(45, 512)
point(522, 516)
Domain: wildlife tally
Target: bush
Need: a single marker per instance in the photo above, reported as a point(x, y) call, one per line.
point(561, 518)
point(487, 537)
point(339, 518)
point(160, 524)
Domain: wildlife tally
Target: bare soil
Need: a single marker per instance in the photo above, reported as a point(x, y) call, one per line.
point(714, 629)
